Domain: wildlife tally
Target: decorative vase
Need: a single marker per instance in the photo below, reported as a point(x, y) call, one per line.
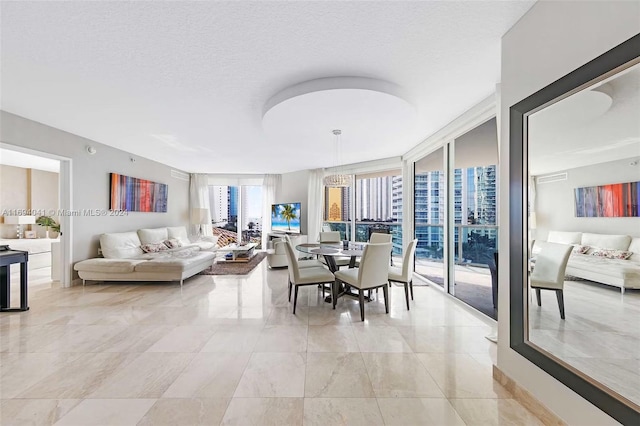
point(46, 233)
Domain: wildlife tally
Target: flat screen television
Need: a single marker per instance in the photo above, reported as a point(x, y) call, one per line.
point(285, 217)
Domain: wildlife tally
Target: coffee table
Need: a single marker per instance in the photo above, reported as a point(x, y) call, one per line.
point(239, 253)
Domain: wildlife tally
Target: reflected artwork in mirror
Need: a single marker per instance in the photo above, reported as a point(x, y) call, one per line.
point(575, 273)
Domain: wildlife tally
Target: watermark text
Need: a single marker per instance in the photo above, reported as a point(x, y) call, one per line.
point(64, 212)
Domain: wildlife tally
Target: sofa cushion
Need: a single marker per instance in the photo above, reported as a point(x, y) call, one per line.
point(174, 261)
point(107, 265)
point(604, 241)
point(152, 235)
point(202, 245)
point(562, 237)
point(634, 248)
point(179, 233)
point(622, 269)
point(120, 245)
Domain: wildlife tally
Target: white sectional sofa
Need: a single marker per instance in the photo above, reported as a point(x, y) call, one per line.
point(623, 273)
point(125, 260)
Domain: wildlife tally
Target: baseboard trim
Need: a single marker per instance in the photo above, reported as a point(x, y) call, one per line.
point(527, 400)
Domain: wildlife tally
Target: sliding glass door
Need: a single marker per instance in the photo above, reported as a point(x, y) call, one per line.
point(455, 216)
point(429, 215)
point(476, 233)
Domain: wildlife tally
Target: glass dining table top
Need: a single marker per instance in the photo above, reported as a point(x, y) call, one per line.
point(332, 249)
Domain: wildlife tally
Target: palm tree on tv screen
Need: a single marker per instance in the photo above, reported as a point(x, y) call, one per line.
point(288, 213)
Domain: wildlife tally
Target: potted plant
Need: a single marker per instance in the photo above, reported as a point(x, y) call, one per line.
point(48, 222)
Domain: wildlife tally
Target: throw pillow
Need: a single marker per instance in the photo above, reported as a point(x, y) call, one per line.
point(153, 247)
point(611, 254)
point(173, 243)
point(579, 249)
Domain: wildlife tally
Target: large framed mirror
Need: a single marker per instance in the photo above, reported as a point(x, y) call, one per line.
point(575, 230)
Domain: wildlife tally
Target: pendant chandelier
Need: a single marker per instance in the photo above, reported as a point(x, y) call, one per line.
point(338, 179)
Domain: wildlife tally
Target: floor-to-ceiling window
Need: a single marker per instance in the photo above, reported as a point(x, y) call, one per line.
point(236, 213)
point(429, 215)
point(337, 211)
point(455, 215)
point(475, 158)
point(378, 204)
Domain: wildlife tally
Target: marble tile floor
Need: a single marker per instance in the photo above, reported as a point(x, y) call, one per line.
point(227, 350)
point(599, 336)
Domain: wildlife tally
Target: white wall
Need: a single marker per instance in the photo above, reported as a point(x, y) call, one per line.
point(294, 188)
point(549, 41)
point(555, 209)
point(90, 181)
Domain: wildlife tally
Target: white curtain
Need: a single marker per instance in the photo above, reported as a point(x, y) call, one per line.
point(314, 204)
point(270, 186)
point(199, 199)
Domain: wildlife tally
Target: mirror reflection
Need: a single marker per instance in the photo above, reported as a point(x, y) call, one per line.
point(584, 231)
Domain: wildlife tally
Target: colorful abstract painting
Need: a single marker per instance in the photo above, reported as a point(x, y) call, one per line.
point(615, 200)
point(137, 195)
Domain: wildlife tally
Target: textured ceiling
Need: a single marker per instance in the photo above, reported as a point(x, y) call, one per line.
point(185, 83)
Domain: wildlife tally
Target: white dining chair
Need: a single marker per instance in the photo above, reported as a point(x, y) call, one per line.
point(329, 237)
point(404, 274)
point(333, 237)
point(304, 276)
point(379, 238)
point(372, 273)
point(548, 272)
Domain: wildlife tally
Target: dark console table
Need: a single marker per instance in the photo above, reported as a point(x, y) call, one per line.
point(8, 257)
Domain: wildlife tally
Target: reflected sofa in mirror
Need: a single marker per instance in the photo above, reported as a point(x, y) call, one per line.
point(575, 174)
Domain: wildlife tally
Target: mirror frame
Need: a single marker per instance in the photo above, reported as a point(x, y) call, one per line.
point(605, 65)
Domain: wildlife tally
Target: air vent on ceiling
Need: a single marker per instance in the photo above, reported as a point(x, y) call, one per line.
point(179, 175)
point(556, 177)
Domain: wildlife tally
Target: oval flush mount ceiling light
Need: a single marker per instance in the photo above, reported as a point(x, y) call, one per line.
point(369, 111)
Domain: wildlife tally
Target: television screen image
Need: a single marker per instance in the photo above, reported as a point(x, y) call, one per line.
point(285, 217)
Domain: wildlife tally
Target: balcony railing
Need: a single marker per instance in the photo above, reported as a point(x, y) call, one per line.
point(363, 231)
point(474, 244)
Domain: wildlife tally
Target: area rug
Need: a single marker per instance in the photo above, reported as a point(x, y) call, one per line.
point(236, 268)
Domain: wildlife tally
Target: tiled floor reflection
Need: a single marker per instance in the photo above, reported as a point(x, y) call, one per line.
point(227, 350)
point(599, 335)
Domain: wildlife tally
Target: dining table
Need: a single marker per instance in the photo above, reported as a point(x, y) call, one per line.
point(332, 251)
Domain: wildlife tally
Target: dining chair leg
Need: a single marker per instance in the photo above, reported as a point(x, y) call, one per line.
point(538, 297)
point(411, 288)
point(385, 291)
point(361, 300)
point(289, 290)
point(295, 299)
point(334, 293)
point(560, 297)
point(406, 294)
